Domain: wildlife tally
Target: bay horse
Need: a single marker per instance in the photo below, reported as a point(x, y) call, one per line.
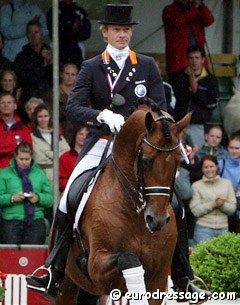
point(128, 220)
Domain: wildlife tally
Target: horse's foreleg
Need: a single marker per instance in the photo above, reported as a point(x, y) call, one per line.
point(128, 266)
point(133, 274)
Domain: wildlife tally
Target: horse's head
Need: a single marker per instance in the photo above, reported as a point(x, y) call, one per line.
point(145, 157)
point(158, 158)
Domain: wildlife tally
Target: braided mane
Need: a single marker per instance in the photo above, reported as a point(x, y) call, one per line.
point(146, 101)
point(142, 102)
point(166, 131)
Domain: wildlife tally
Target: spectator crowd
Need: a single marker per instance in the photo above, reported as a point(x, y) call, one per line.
point(26, 122)
point(209, 185)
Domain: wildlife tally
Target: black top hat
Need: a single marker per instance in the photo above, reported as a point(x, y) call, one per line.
point(118, 14)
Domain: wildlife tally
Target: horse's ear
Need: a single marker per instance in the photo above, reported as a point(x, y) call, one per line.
point(184, 122)
point(149, 122)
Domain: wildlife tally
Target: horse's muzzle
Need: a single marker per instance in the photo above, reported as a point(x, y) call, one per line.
point(156, 223)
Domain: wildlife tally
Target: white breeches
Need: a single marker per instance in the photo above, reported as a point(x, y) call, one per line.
point(90, 160)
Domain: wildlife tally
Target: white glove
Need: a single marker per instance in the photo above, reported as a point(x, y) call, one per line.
point(113, 120)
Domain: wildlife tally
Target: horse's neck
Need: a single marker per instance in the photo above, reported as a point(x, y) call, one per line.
point(126, 140)
point(125, 148)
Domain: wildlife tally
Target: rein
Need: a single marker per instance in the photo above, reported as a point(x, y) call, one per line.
point(143, 191)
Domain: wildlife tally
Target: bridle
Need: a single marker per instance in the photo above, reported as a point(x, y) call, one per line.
point(142, 192)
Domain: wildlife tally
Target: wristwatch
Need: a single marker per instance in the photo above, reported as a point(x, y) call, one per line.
point(12, 199)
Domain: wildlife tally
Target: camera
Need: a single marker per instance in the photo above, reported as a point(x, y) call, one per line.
point(26, 195)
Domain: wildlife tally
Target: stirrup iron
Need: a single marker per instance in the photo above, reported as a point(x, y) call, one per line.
point(45, 290)
point(198, 279)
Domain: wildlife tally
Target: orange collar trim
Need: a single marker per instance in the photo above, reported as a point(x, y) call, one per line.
point(132, 55)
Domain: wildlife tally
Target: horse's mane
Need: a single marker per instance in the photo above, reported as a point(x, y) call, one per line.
point(145, 103)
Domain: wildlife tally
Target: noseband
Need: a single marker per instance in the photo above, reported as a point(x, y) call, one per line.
point(143, 191)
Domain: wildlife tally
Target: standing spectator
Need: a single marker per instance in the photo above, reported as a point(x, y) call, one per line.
point(68, 160)
point(12, 130)
point(68, 76)
point(25, 192)
point(196, 89)
point(74, 29)
point(213, 147)
point(14, 17)
point(5, 63)
point(33, 64)
point(212, 201)
point(229, 168)
point(184, 24)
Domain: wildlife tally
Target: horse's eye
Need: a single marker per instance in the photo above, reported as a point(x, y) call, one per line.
point(147, 163)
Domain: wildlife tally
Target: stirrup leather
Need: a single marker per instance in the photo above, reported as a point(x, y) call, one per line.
point(50, 279)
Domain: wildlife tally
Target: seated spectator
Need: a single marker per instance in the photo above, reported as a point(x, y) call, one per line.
point(196, 89)
point(212, 201)
point(213, 137)
point(229, 168)
point(33, 64)
point(25, 192)
point(74, 29)
point(42, 138)
point(14, 17)
point(170, 97)
point(30, 106)
point(5, 63)
point(12, 129)
point(68, 159)
point(169, 94)
point(68, 76)
point(9, 84)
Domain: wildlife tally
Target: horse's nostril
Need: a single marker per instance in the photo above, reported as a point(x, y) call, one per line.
point(149, 219)
point(156, 224)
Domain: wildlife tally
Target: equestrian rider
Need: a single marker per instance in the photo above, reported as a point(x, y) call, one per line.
point(110, 81)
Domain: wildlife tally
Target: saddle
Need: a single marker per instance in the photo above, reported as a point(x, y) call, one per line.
point(77, 189)
point(80, 185)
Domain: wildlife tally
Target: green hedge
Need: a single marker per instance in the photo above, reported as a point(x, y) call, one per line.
point(2, 293)
point(217, 262)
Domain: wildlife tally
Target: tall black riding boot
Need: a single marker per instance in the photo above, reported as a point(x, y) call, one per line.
point(181, 271)
point(55, 264)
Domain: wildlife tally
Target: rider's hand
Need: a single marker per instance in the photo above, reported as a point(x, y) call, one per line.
point(113, 120)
